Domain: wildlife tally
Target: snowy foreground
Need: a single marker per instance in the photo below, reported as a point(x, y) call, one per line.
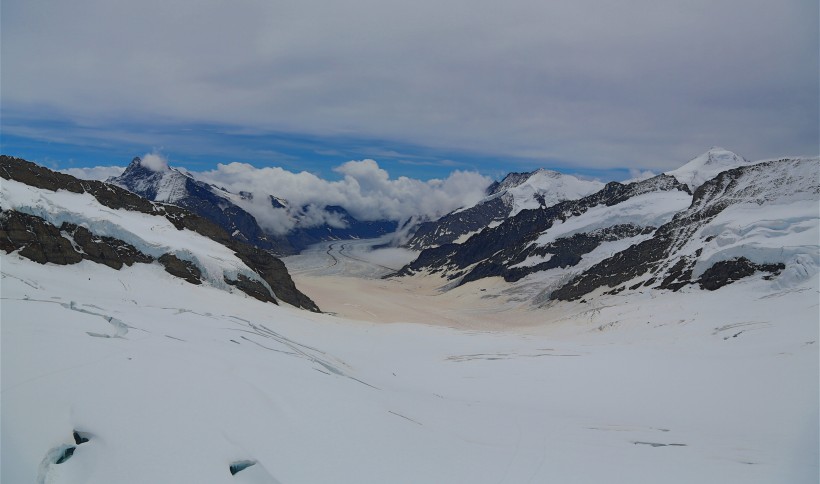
point(173, 383)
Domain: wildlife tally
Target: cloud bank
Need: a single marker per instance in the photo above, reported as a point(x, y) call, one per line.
point(365, 190)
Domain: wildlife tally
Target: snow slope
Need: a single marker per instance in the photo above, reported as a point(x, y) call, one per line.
point(505, 199)
point(135, 376)
point(651, 209)
point(706, 166)
point(151, 235)
point(171, 382)
point(771, 215)
point(546, 188)
point(153, 179)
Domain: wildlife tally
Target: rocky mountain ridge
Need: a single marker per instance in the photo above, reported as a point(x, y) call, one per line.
point(515, 192)
point(494, 250)
point(69, 237)
point(694, 249)
point(170, 185)
point(654, 233)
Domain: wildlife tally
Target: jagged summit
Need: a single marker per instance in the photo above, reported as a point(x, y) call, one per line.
point(668, 232)
point(755, 218)
point(558, 236)
point(514, 179)
point(514, 193)
point(51, 217)
point(706, 166)
point(540, 188)
point(153, 179)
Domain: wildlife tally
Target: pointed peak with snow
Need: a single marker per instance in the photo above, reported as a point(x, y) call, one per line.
point(152, 178)
point(515, 179)
point(706, 166)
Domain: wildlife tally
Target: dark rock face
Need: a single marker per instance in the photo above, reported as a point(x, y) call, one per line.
point(658, 257)
point(450, 227)
point(495, 208)
point(274, 272)
point(511, 180)
point(665, 259)
point(104, 250)
point(201, 199)
point(37, 240)
point(494, 250)
point(565, 252)
point(206, 200)
point(181, 268)
point(42, 242)
point(252, 288)
point(729, 271)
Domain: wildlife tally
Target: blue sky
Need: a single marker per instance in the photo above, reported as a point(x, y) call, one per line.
point(201, 148)
point(424, 88)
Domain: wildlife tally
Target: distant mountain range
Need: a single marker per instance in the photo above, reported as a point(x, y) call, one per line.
point(170, 185)
point(713, 221)
point(51, 217)
point(717, 219)
point(516, 192)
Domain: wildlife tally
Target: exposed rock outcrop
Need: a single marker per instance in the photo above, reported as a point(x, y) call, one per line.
point(494, 251)
point(40, 241)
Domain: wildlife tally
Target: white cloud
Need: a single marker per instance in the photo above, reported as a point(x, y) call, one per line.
point(638, 175)
point(154, 162)
point(366, 191)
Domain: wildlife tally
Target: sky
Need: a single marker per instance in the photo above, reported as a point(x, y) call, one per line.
point(592, 87)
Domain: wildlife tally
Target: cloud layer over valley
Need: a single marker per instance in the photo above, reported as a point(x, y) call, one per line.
point(364, 189)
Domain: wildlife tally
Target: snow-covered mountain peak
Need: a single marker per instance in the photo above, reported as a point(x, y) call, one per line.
point(152, 178)
point(516, 179)
point(510, 180)
point(516, 192)
point(544, 188)
point(539, 188)
point(706, 166)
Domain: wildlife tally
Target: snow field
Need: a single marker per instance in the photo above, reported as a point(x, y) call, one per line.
point(680, 387)
point(554, 187)
point(163, 381)
point(648, 210)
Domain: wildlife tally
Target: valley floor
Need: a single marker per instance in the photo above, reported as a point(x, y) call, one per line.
point(345, 278)
point(175, 383)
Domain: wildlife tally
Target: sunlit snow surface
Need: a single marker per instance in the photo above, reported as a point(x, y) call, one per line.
point(552, 186)
point(706, 166)
point(175, 383)
point(152, 235)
